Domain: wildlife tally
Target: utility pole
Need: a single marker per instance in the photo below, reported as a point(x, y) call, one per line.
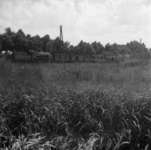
point(61, 36)
point(140, 41)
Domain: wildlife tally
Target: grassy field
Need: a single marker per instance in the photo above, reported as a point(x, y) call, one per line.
point(80, 106)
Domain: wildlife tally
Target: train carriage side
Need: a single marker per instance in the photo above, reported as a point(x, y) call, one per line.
point(61, 57)
point(92, 58)
point(79, 58)
point(72, 58)
point(99, 58)
point(56, 57)
point(65, 57)
point(86, 58)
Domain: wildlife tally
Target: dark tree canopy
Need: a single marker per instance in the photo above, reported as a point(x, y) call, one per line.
point(136, 46)
point(19, 41)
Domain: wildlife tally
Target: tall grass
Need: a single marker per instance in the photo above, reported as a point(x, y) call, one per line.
point(134, 79)
point(87, 106)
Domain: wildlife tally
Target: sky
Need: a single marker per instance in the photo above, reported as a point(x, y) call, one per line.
point(105, 21)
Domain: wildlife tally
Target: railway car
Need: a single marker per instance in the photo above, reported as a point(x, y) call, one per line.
point(33, 56)
point(56, 57)
point(65, 58)
point(87, 58)
point(61, 57)
point(92, 59)
point(72, 58)
point(79, 58)
point(99, 58)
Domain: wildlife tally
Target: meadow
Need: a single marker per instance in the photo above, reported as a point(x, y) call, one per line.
point(75, 106)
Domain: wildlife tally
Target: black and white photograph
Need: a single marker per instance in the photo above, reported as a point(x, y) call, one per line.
point(75, 74)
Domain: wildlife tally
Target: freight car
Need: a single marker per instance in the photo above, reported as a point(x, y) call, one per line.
point(73, 58)
point(33, 56)
point(60, 57)
point(79, 58)
point(99, 58)
point(67, 58)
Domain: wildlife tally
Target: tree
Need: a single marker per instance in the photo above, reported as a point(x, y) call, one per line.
point(37, 43)
point(57, 45)
point(108, 47)
point(6, 40)
point(28, 36)
point(49, 46)
point(99, 48)
point(9, 32)
point(66, 46)
point(7, 43)
point(20, 41)
point(81, 48)
point(45, 39)
point(136, 46)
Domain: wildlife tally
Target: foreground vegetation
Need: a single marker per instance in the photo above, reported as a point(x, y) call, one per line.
point(87, 106)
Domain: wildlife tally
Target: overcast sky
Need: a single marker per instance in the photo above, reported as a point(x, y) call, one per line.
point(106, 21)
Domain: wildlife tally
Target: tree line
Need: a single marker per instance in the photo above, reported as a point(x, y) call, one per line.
point(19, 41)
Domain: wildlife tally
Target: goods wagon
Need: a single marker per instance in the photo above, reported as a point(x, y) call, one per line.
point(33, 56)
point(72, 58)
point(92, 58)
point(79, 58)
point(89, 58)
point(98, 58)
point(56, 57)
point(65, 57)
point(61, 57)
point(86, 58)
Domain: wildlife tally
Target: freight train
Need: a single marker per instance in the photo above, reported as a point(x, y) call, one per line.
point(33, 56)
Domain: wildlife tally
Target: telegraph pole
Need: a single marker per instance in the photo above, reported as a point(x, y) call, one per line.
point(61, 36)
